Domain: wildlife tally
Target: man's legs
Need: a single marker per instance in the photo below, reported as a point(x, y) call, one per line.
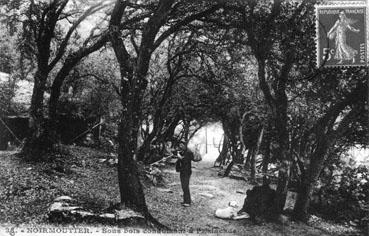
point(185, 182)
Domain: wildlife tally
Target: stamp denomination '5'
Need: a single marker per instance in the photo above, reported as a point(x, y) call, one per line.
point(341, 31)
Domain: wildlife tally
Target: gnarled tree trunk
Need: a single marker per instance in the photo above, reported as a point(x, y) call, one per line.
point(38, 142)
point(326, 137)
point(223, 155)
point(254, 154)
point(71, 61)
point(133, 83)
point(266, 157)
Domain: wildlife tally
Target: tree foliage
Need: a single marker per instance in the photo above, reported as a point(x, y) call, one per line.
point(248, 64)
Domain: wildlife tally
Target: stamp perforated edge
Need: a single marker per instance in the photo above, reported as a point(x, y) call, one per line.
point(341, 4)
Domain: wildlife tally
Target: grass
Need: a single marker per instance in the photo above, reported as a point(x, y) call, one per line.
point(27, 189)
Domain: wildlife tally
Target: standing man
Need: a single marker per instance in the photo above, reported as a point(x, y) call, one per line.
point(183, 166)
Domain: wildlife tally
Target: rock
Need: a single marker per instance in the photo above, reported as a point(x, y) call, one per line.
point(113, 161)
point(233, 204)
point(241, 216)
point(61, 206)
point(107, 215)
point(166, 190)
point(284, 220)
point(82, 213)
point(63, 213)
point(209, 195)
point(240, 191)
point(226, 213)
point(127, 213)
point(56, 206)
point(63, 199)
point(102, 160)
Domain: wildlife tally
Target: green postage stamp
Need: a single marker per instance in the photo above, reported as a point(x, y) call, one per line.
point(341, 35)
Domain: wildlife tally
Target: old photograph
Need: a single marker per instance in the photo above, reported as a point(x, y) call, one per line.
point(184, 117)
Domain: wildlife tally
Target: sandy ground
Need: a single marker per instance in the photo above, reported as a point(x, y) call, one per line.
point(200, 216)
point(27, 189)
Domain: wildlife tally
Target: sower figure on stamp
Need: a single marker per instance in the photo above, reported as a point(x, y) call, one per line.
point(183, 166)
point(338, 32)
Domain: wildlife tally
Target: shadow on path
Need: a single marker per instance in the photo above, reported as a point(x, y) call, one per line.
point(210, 192)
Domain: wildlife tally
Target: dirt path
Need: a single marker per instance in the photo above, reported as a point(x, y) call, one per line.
point(200, 216)
point(27, 189)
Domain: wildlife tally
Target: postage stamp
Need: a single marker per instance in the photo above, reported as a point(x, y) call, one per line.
point(341, 35)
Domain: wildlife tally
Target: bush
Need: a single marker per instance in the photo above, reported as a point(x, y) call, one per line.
point(344, 194)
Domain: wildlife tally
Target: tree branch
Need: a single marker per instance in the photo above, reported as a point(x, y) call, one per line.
point(184, 22)
point(64, 43)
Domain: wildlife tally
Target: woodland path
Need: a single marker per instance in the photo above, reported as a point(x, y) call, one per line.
point(27, 189)
point(200, 216)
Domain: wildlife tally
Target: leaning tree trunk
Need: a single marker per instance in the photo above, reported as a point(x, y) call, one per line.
point(248, 157)
point(283, 178)
point(254, 154)
point(283, 151)
point(228, 169)
point(144, 149)
point(266, 157)
point(300, 211)
point(71, 61)
point(133, 70)
point(253, 165)
point(306, 189)
point(54, 98)
point(133, 85)
point(278, 105)
point(326, 139)
point(221, 159)
point(282, 185)
point(38, 141)
point(131, 191)
point(169, 131)
point(310, 177)
point(158, 122)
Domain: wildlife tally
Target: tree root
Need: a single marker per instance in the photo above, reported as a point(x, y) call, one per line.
point(154, 223)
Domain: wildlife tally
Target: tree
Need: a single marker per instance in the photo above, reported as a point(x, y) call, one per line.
point(161, 113)
point(134, 67)
point(285, 65)
point(43, 29)
point(342, 116)
point(91, 88)
point(7, 49)
point(229, 91)
point(261, 27)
